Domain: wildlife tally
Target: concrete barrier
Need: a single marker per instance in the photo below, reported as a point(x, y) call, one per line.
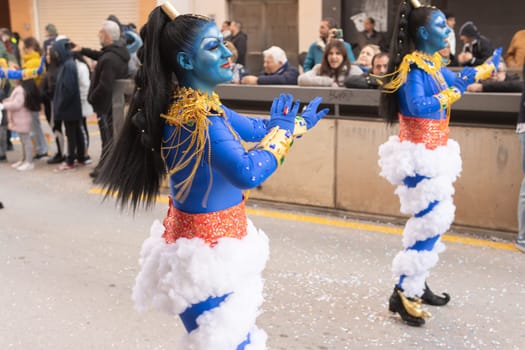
point(335, 165)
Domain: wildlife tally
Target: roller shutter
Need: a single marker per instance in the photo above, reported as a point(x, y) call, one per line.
point(80, 20)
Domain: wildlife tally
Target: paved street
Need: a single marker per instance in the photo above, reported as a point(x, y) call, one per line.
point(68, 262)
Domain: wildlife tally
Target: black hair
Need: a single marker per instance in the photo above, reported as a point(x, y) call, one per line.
point(379, 55)
point(345, 65)
point(373, 21)
point(408, 20)
point(132, 167)
point(31, 42)
point(32, 95)
point(331, 22)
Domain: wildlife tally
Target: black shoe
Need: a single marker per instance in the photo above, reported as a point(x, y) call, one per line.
point(41, 155)
point(396, 305)
point(3, 159)
point(1, 205)
point(430, 298)
point(93, 174)
point(56, 159)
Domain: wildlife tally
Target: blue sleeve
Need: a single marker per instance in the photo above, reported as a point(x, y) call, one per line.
point(350, 52)
point(414, 98)
point(309, 61)
point(244, 169)
point(449, 76)
point(250, 129)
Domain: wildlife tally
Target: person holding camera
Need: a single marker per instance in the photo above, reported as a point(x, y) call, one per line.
point(327, 32)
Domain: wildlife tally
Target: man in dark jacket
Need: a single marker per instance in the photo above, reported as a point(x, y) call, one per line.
point(112, 64)
point(370, 80)
point(277, 70)
point(66, 102)
point(240, 40)
point(476, 47)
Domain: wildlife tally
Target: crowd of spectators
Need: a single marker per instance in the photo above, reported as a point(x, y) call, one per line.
point(83, 78)
point(76, 83)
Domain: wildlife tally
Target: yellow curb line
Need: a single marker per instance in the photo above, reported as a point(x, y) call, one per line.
point(355, 225)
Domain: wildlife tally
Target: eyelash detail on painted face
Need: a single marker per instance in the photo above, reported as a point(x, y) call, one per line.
point(212, 44)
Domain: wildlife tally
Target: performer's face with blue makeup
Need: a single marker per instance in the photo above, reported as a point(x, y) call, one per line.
point(438, 32)
point(210, 64)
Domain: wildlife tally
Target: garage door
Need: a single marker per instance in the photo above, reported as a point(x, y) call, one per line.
point(80, 20)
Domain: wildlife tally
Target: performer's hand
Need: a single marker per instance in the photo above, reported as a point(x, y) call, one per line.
point(310, 114)
point(466, 77)
point(1, 107)
point(283, 112)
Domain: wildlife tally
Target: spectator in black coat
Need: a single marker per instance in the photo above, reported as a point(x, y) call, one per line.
point(240, 40)
point(66, 102)
point(476, 47)
point(112, 64)
point(277, 70)
point(370, 80)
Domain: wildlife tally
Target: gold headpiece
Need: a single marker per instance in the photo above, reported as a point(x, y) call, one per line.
point(415, 3)
point(169, 10)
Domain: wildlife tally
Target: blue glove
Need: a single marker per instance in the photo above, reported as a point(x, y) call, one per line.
point(310, 114)
point(282, 113)
point(466, 77)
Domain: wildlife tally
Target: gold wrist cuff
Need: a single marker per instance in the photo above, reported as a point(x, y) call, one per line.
point(300, 127)
point(484, 71)
point(448, 97)
point(277, 142)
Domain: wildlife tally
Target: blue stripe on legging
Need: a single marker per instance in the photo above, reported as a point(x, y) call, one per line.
point(190, 315)
point(412, 181)
point(427, 244)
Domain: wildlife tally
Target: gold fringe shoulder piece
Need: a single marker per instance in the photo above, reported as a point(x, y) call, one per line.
point(189, 111)
point(429, 64)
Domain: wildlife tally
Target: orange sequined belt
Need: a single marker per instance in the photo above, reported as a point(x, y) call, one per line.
point(210, 227)
point(431, 132)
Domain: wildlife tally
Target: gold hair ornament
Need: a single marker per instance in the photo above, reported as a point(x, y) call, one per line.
point(169, 10)
point(415, 3)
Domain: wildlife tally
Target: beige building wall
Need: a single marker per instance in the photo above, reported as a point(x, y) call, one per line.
point(310, 14)
point(22, 17)
point(24, 20)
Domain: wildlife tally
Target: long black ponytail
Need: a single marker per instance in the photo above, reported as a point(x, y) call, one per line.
point(132, 168)
point(408, 20)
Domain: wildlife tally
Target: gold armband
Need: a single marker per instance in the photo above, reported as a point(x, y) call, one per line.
point(484, 71)
point(300, 127)
point(277, 142)
point(448, 97)
point(29, 73)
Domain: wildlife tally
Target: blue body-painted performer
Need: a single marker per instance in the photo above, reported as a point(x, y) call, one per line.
point(204, 262)
point(20, 74)
point(422, 161)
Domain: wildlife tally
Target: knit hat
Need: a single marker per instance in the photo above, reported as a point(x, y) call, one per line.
point(51, 29)
point(469, 30)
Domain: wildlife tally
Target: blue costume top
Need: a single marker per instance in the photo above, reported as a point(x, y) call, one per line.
point(416, 96)
point(226, 167)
